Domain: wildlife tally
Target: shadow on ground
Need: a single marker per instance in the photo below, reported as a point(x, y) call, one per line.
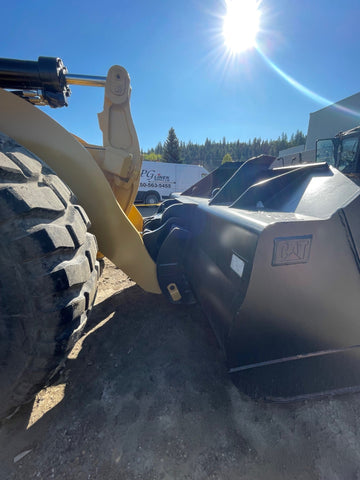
point(148, 397)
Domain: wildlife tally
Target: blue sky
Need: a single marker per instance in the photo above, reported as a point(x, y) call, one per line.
point(181, 74)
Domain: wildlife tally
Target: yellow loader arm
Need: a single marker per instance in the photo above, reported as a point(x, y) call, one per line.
point(104, 179)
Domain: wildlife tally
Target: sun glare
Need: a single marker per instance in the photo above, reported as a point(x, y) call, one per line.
point(241, 24)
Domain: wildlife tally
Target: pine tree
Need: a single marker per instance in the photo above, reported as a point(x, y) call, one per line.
point(227, 158)
point(171, 153)
point(210, 153)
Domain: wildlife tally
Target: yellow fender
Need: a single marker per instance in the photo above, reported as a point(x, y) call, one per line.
point(117, 237)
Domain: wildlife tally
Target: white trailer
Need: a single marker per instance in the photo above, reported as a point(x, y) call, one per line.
point(159, 180)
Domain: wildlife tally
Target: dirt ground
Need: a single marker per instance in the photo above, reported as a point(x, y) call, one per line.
point(145, 395)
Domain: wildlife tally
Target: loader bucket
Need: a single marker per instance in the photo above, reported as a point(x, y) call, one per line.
point(273, 258)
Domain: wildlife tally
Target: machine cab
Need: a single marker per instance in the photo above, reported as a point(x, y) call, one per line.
point(342, 152)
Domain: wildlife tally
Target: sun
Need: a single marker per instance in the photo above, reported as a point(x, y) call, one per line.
point(241, 25)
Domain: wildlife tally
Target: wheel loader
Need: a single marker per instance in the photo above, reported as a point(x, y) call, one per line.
point(272, 255)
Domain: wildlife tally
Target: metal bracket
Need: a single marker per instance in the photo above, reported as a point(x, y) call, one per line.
point(121, 161)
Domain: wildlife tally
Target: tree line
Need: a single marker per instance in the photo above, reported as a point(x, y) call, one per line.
point(211, 153)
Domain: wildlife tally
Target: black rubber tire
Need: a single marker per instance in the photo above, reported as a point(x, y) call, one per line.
point(48, 276)
point(152, 198)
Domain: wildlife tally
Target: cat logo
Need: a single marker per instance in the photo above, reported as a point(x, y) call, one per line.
point(291, 250)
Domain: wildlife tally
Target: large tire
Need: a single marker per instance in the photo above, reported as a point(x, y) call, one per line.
point(48, 276)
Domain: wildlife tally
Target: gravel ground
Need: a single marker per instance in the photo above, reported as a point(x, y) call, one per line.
point(145, 395)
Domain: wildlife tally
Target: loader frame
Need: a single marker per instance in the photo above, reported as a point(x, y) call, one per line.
point(104, 179)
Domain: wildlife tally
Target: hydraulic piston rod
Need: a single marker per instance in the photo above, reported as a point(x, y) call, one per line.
point(85, 80)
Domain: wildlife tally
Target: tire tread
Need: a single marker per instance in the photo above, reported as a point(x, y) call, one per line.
point(49, 273)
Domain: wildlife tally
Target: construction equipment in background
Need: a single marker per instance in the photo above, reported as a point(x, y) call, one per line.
point(327, 122)
point(271, 255)
point(342, 152)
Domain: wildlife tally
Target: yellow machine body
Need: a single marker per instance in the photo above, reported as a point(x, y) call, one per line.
point(104, 179)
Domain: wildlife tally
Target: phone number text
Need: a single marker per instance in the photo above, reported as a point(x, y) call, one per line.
point(155, 185)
